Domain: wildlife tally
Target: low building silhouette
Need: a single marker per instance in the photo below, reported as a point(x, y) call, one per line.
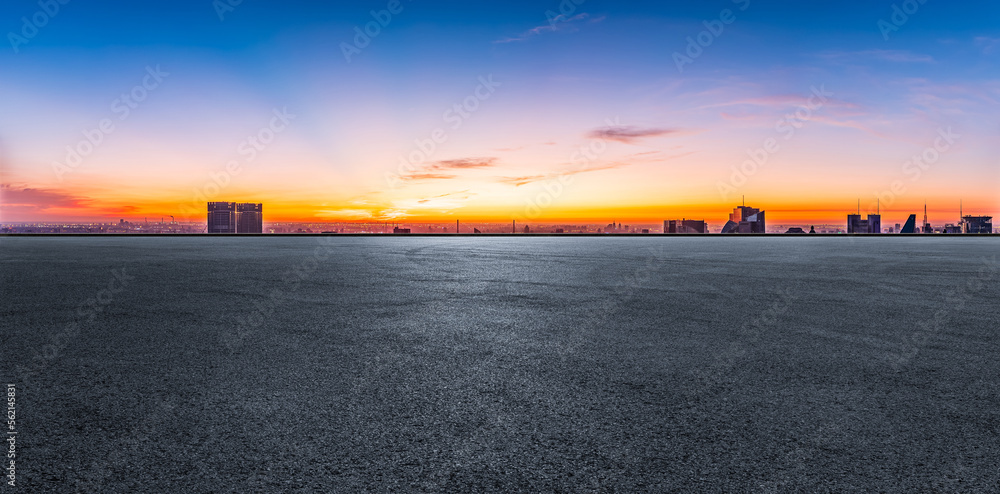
point(977, 224)
point(684, 226)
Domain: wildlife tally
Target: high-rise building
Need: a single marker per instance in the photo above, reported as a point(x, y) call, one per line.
point(910, 226)
point(684, 226)
point(249, 218)
point(222, 217)
point(977, 224)
point(745, 219)
point(857, 225)
point(874, 223)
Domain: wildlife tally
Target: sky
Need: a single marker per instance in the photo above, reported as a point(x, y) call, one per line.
point(421, 111)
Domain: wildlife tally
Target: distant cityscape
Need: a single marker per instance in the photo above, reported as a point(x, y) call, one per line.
point(232, 218)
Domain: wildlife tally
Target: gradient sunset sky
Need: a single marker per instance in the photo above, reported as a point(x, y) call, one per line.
point(660, 141)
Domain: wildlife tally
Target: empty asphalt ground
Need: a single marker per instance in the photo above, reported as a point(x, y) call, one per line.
point(207, 364)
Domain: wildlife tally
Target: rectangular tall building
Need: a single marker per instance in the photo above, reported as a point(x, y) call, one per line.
point(249, 218)
point(875, 223)
point(857, 225)
point(222, 217)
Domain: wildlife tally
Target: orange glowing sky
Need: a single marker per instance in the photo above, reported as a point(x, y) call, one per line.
point(500, 117)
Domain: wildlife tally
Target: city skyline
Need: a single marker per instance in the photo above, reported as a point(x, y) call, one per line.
point(542, 113)
point(247, 218)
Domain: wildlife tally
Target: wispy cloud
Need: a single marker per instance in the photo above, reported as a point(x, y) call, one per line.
point(557, 23)
point(850, 124)
point(527, 179)
point(428, 176)
point(444, 202)
point(629, 135)
point(521, 148)
point(464, 163)
point(444, 170)
point(987, 44)
point(461, 195)
point(897, 56)
point(23, 198)
point(777, 101)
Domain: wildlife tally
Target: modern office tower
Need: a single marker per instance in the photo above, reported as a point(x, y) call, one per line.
point(910, 226)
point(745, 219)
point(222, 217)
point(855, 224)
point(249, 218)
point(742, 213)
point(873, 224)
point(977, 224)
point(684, 226)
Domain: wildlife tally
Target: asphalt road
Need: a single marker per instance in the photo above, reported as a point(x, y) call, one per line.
point(503, 364)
